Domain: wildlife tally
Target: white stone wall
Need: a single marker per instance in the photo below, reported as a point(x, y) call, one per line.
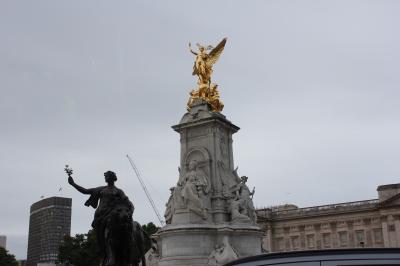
point(370, 229)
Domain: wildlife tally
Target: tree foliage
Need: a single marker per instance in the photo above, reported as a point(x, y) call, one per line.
point(7, 259)
point(80, 250)
point(150, 228)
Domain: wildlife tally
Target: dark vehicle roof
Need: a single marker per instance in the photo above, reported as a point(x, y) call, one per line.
point(370, 256)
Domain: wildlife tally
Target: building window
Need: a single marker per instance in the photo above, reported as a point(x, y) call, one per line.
point(324, 225)
point(280, 244)
point(295, 242)
point(392, 228)
point(310, 241)
point(326, 237)
point(377, 232)
point(343, 238)
point(360, 237)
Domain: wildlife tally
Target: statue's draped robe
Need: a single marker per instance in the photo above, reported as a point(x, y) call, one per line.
point(109, 202)
point(195, 185)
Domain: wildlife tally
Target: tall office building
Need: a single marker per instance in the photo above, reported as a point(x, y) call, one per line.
point(50, 221)
point(3, 241)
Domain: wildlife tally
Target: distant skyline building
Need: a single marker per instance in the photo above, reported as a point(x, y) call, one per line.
point(49, 222)
point(3, 241)
point(21, 262)
point(373, 223)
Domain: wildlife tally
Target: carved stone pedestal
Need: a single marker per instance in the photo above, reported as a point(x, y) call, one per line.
point(193, 245)
point(210, 214)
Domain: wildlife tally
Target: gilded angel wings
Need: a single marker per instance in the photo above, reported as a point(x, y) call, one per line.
point(215, 53)
point(205, 61)
point(203, 69)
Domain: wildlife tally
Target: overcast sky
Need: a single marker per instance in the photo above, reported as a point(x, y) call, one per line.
point(314, 86)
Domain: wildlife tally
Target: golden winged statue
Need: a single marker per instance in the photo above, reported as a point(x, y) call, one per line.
point(203, 69)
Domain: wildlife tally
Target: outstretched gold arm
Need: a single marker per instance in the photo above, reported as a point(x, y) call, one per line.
point(191, 50)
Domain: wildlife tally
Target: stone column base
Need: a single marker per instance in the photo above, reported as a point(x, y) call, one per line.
point(191, 245)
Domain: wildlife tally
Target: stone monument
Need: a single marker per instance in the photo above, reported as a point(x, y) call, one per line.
point(210, 217)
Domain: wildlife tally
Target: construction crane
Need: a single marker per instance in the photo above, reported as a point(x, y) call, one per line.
point(153, 205)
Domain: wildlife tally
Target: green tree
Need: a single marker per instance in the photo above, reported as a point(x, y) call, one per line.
point(150, 228)
point(80, 250)
point(7, 259)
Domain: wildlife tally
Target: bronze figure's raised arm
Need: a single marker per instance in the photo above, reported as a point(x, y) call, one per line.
point(121, 240)
point(72, 182)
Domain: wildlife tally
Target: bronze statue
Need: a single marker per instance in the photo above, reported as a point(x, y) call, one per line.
point(121, 240)
point(203, 69)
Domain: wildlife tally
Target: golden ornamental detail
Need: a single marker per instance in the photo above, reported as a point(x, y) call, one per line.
point(202, 68)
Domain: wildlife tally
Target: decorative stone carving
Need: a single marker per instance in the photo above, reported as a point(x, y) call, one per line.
point(222, 253)
point(200, 110)
point(195, 186)
point(170, 208)
point(236, 212)
point(243, 202)
point(229, 179)
point(223, 146)
point(240, 199)
point(177, 194)
point(199, 133)
point(202, 198)
point(153, 255)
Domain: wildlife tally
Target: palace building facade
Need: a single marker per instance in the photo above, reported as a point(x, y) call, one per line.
point(371, 223)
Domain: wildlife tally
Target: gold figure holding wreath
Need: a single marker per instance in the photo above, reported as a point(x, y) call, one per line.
point(203, 69)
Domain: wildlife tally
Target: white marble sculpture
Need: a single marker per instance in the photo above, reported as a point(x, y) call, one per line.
point(242, 206)
point(210, 217)
point(222, 253)
point(194, 187)
point(169, 210)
